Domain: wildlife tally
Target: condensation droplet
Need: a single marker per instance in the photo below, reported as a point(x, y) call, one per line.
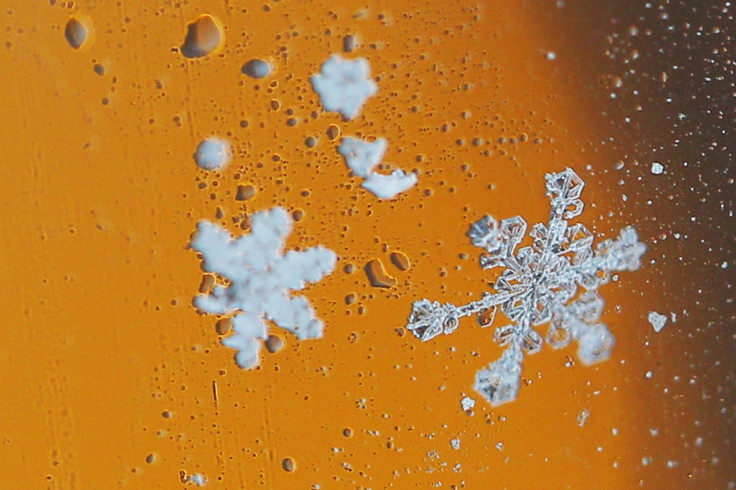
point(245, 192)
point(257, 68)
point(274, 343)
point(76, 32)
point(288, 464)
point(208, 281)
point(333, 132)
point(400, 260)
point(204, 35)
point(223, 326)
point(378, 276)
point(348, 43)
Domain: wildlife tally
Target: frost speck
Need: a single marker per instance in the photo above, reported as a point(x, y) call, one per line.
point(363, 156)
point(539, 285)
point(657, 168)
point(198, 479)
point(657, 320)
point(583, 416)
point(344, 85)
point(259, 278)
point(467, 403)
point(455, 443)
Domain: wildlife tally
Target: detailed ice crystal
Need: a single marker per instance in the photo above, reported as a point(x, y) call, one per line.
point(554, 281)
point(259, 276)
point(344, 85)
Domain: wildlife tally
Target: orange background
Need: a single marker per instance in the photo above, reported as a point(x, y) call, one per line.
point(112, 378)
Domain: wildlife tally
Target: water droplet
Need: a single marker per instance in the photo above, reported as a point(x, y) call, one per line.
point(274, 344)
point(377, 275)
point(76, 32)
point(208, 281)
point(204, 35)
point(223, 326)
point(400, 260)
point(288, 464)
point(245, 192)
point(257, 68)
point(333, 132)
point(348, 43)
point(212, 154)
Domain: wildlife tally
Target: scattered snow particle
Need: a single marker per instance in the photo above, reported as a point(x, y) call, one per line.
point(583, 417)
point(467, 403)
point(649, 375)
point(455, 443)
point(260, 276)
point(658, 321)
point(388, 186)
point(551, 55)
point(212, 154)
point(198, 479)
point(657, 168)
point(363, 156)
point(343, 85)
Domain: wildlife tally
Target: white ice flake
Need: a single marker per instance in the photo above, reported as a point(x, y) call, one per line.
point(344, 85)
point(363, 156)
point(657, 321)
point(467, 403)
point(554, 281)
point(259, 276)
point(388, 186)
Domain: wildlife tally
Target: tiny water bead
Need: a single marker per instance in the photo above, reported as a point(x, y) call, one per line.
point(204, 35)
point(257, 68)
point(213, 154)
point(76, 32)
point(288, 464)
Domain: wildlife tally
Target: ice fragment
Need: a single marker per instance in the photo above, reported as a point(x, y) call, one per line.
point(657, 320)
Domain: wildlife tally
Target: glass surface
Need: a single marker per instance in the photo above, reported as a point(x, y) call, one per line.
point(125, 124)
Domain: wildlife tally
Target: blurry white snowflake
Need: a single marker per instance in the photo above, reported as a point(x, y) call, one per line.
point(344, 85)
point(258, 278)
point(362, 157)
point(539, 286)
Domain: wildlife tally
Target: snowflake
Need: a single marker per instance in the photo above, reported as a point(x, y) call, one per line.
point(258, 277)
point(539, 285)
point(343, 85)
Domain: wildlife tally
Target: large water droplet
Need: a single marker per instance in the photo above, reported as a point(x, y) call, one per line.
point(76, 32)
point(257, 68)
point(204, 35)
